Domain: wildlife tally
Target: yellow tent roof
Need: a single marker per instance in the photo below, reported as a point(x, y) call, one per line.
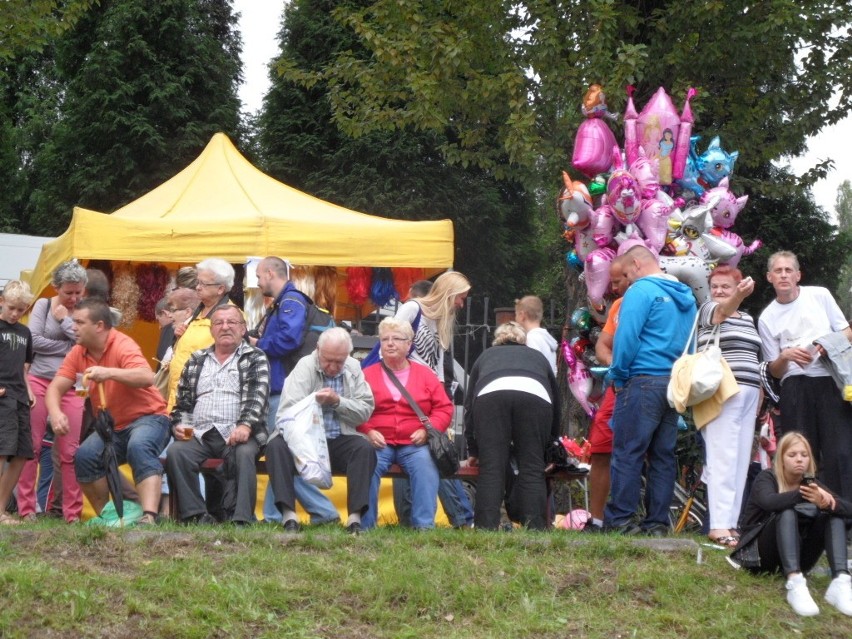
point(222, 206)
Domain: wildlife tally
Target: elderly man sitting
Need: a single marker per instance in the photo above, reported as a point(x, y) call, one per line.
point(347, 402)
point(220, 412)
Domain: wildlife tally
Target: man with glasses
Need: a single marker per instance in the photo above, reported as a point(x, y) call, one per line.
point(280, 334)
point(220, 413)
point(347, 402)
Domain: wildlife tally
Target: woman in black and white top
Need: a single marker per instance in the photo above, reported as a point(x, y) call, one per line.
point(728, 438)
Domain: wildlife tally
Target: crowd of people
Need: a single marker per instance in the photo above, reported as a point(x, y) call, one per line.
point(221, 391)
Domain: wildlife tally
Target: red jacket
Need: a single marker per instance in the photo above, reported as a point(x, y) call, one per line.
point(396, 421)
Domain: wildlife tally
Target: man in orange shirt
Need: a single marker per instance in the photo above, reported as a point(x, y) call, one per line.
point(600, 434)
point(113, 359)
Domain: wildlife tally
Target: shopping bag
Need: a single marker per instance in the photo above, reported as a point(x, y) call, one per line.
point(302, 428)
point(698, 375)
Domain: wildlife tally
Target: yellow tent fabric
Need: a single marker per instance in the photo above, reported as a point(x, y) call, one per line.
point(222, 206)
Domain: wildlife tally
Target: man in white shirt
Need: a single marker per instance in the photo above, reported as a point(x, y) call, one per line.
point(810, 401)
point(528, 313)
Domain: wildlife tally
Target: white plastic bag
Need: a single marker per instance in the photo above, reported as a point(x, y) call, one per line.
point(302, 429)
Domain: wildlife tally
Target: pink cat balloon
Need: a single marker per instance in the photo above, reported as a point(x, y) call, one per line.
point(724, 214)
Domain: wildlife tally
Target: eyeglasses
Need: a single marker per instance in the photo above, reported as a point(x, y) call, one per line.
point(206, 284)
point(227, 322)
point(393, 339)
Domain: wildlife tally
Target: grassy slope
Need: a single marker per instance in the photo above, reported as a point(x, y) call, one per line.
point(60, 581)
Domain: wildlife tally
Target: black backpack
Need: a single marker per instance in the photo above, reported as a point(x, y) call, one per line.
point(317, 321)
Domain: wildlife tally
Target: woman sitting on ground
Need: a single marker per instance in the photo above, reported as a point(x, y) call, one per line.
point(789, 520)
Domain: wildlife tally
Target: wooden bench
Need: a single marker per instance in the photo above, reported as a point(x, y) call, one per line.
point(465, 473)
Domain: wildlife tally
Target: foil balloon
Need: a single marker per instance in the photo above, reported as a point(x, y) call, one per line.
point(596, 274)
point(579, 345)
point(646, 173)
point(631, 142)
point(654, 223)
point(708, 169)
point(603, 226)
point(682, 148)
point(574, 204)
point(581, 319)
point(573, 260)
point(622, 194)
point(594, 139)
point(592, 147)
point(579, 379)
point(690, 270)
point(691, 235)
point(724, 214)
point(657, 131)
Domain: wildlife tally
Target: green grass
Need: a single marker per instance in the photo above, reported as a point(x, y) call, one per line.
point(73, 581)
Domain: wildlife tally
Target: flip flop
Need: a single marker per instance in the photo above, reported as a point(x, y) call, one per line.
point(725, 540)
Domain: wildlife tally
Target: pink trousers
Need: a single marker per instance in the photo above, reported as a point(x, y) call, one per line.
point(72, 496)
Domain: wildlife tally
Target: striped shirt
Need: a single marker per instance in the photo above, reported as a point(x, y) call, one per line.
point(739, 341)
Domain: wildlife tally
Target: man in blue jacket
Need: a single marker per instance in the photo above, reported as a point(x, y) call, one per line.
point(279, 336)
point(655, 320)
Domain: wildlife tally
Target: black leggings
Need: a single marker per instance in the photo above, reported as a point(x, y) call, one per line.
point(793, 542)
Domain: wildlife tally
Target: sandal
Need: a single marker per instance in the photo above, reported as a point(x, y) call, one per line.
point(724, 540)
point(9, 520)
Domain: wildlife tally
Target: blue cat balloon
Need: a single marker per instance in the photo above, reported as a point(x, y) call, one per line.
point(705, 171)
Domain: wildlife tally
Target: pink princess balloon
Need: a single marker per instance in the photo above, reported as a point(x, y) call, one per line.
point(657, 132)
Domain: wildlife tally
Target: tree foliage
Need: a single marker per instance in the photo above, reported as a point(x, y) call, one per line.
point(399, 173)
point(131, 95)
point(503, 79)
point(843, 208)
point(28, 26)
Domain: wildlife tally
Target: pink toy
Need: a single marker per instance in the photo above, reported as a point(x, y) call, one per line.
point(654, 223)
point(657, 131)
point(646, 173)
point(596, 274)
point(682, 149)
point(631, 143)
point(579, 378)
point(724, 214)
point(594, 140)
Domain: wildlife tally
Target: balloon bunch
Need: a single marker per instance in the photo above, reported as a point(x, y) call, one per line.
point(641, 197)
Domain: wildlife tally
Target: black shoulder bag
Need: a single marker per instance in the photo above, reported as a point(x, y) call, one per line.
point(443, 451)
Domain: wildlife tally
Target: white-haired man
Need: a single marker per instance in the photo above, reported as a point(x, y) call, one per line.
point(347, 402)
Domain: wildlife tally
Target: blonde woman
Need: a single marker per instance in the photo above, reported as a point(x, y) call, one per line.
point(790, 519)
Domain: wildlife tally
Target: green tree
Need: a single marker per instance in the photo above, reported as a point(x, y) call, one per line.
point(504, 79)
point(843, 210)
point(397, 173)
point(144, 87)
point(29, 25)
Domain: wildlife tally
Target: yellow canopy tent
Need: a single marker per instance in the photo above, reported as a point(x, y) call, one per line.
point(222, 206)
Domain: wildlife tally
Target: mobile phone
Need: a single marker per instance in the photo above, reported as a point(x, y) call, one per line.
point(807, 479)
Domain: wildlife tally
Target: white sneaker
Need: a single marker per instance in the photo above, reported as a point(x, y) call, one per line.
point(839, 594)
point(800, 598)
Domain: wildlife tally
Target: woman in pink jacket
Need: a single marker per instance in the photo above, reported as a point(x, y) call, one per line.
point(395, 430)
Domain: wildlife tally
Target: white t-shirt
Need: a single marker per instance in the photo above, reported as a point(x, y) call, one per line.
point(811, 315)
point(543, 342)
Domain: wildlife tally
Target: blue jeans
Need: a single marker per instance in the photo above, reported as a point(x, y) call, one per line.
point(643, 424)
point(315, 503)
point(424, 478)
point(453, 498)
point(139, 444)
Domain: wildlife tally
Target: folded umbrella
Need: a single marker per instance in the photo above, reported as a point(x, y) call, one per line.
point(104, 426)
